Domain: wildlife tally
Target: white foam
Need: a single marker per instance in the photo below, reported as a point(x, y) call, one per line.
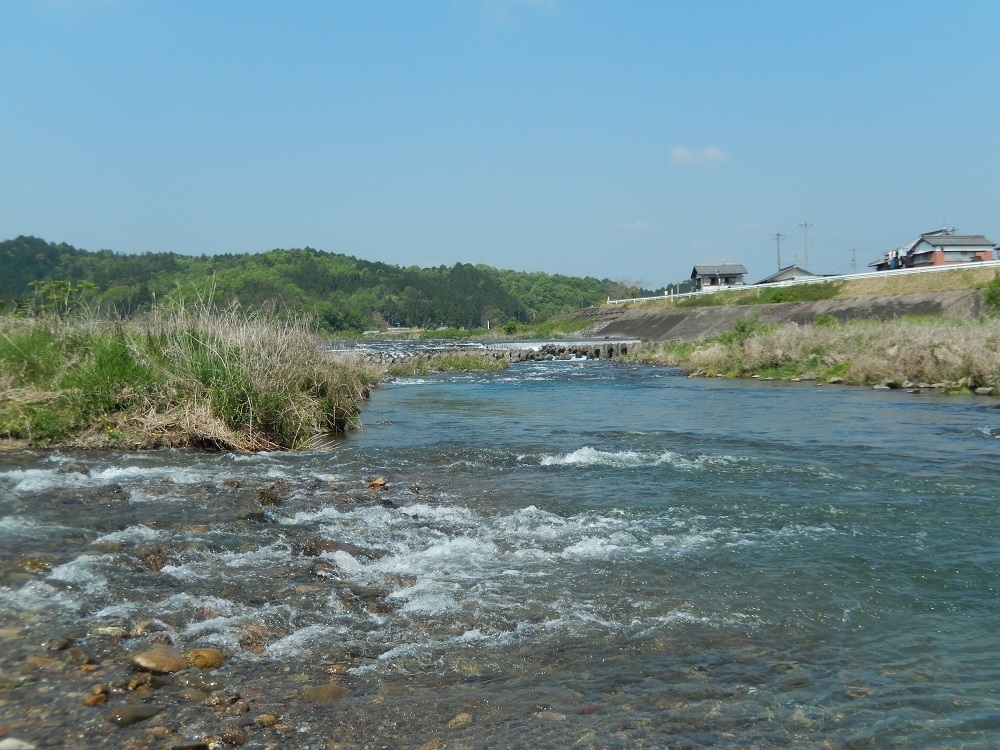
point(630, 459)
point(18, 525)
point(37, 596)
point(301, 641)
point(81, 572)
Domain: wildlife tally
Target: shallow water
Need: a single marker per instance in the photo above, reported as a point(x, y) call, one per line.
point(573, 553)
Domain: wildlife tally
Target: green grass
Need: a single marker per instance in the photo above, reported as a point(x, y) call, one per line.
point(180, 376)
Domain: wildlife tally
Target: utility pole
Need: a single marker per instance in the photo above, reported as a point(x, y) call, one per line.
point(805, 229)
point(854, 260)
point(777, 238)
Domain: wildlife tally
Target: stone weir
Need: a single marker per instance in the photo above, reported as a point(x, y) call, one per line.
point(576, 350)
point(503, 352)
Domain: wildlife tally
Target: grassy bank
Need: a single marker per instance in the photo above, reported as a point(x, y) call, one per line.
point(180, 376)
point(962, 355)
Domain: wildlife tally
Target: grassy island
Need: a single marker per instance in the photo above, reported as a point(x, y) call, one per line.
point(177, 376)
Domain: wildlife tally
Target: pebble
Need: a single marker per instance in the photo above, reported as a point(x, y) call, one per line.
point(12, 743)
point(205, 658)
point(265, 720)
point(159, 658)
point(112, 631)
point(125, 716)
point(461, 721)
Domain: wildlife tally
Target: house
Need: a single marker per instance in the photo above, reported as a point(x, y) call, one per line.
point(719, 275)
point(785, 274)
point(938, 248)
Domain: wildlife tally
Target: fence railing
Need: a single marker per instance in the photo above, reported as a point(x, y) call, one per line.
point(815, 280)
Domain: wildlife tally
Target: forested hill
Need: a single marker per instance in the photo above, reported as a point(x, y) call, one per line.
point(343, 292)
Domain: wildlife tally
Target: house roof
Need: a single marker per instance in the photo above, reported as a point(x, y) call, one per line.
point(719, 269)
point(957, 240)
point(788, 272)
point(939, 238)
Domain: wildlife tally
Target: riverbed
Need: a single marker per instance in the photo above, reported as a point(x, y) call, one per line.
point(562, 554)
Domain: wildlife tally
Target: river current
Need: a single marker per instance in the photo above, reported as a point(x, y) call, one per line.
point(565, 554)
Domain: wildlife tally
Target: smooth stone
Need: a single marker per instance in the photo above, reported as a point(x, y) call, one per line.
point(461, 721)
point(13, 743)
point(159, 658)
point(124, 716)
point(324, 693)
point(205, 658)
point(111, 631)
point(836, 379)
point(984, 391)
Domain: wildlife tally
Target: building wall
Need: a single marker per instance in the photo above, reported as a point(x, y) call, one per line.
point(938, 257)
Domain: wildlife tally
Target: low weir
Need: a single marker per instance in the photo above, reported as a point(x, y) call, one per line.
point(502, 351)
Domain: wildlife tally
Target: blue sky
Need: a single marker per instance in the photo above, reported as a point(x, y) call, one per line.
point(622, 140)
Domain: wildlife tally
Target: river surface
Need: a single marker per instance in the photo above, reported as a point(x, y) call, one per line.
point(566, 554)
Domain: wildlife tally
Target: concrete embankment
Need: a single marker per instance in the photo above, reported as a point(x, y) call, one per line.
point(661, 322)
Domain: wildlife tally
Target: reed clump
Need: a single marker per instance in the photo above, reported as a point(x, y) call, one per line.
point(447, 362)
point(963, 354)
point(184, 375)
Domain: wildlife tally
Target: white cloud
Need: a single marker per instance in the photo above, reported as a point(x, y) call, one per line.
point(635, 226)
point(708, 156)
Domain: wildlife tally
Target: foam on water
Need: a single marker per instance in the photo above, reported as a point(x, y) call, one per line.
point(38, 596)
point(21, 526)
point(631, 459)
point(302, 642)
point(137, 534)
point(86, 572)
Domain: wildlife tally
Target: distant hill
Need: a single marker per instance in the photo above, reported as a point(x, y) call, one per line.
point(344, 293)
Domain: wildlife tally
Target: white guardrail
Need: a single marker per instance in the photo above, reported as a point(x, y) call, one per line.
point(815, 280)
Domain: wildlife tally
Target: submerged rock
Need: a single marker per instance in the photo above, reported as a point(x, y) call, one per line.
point(125, 716)
point(325, 693)
point(461, 721)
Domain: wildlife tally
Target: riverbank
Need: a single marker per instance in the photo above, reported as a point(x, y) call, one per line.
point(181, 376)
point(948, 354)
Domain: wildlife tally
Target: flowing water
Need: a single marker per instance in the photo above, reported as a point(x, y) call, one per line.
point(567, 554)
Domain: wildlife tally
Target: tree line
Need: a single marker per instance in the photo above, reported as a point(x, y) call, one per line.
point(343, 293)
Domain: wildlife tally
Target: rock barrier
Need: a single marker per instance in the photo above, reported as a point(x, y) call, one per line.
point(545, 353)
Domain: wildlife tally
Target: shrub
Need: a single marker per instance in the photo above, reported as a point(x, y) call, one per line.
point(991, 296)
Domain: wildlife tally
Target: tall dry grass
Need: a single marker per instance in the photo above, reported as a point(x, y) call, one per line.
point(863, 353)
point(182, 375)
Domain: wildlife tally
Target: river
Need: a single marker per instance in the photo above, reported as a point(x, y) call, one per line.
point(565, 554)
